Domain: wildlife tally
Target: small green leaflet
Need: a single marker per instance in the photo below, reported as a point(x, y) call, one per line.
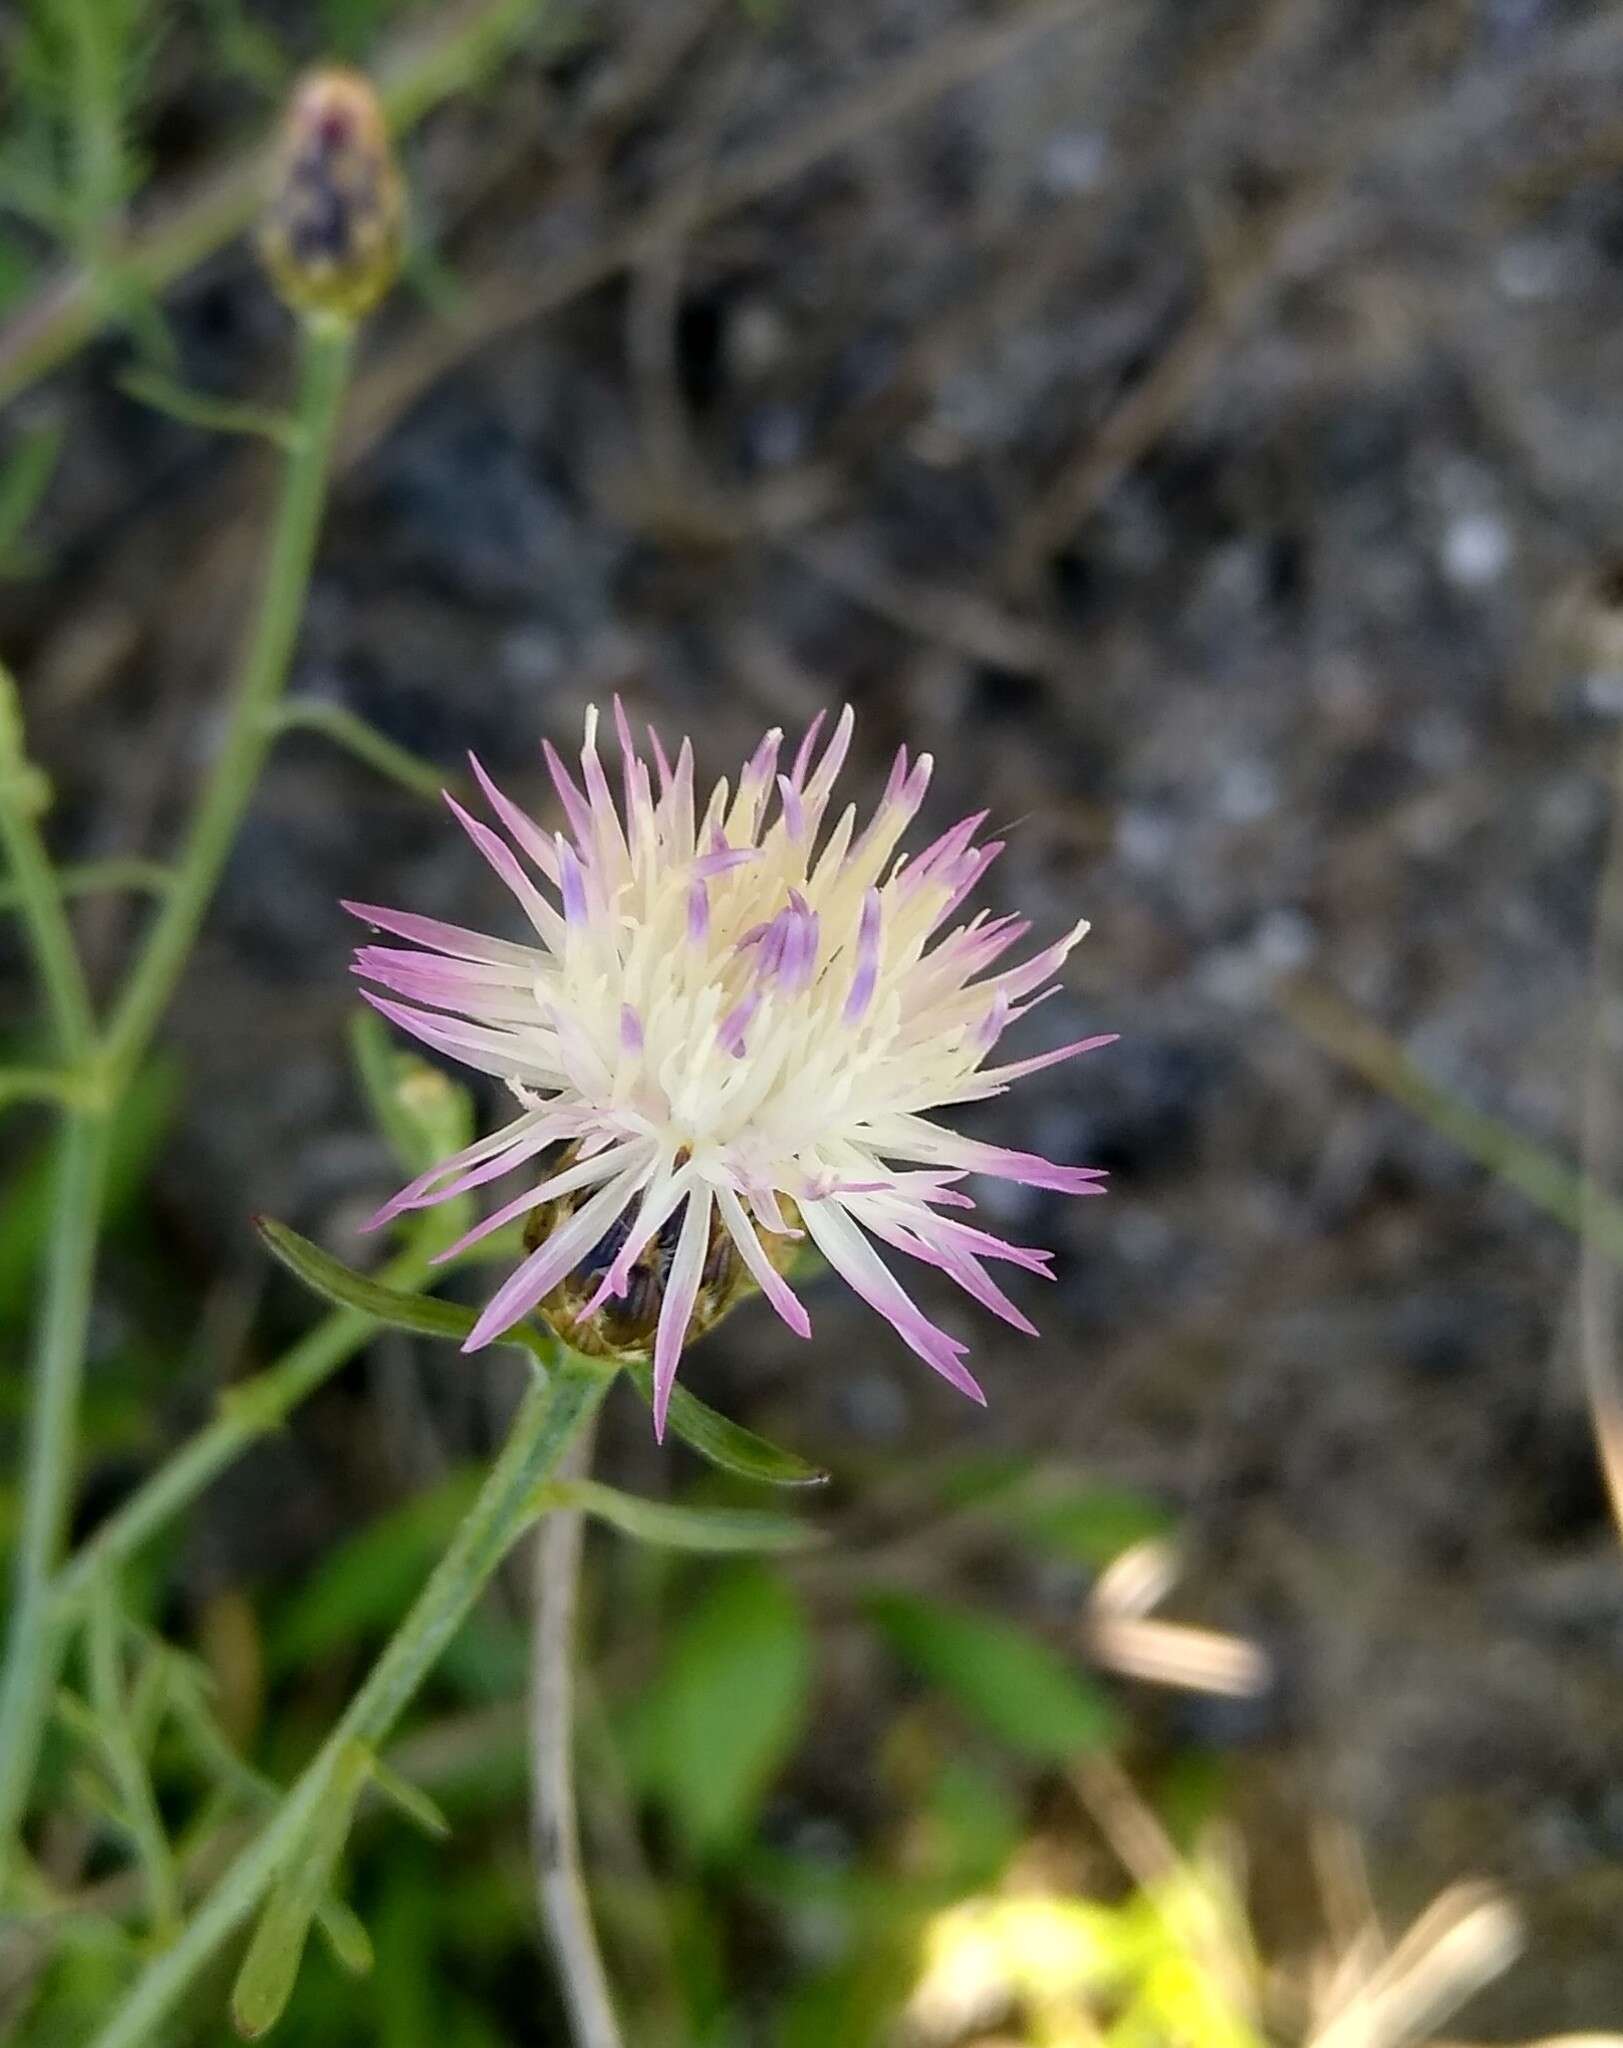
point(727, 1444)
point(340, 1284)
point(683, 1528)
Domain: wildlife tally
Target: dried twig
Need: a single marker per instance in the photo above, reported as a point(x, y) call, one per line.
point(565, 1909)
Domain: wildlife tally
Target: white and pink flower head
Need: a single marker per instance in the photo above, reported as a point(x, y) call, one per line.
point(729, 1027)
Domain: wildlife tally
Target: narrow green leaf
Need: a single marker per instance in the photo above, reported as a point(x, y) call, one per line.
point(411, 1800)
point(347, 1940)
point(1008, 1680)
point(373, 749)
point(340, 1284)
point(727, 1444)
point(686, 1528)
point(708, 1738)
point(424, 1314)
point(270, 1969)
point(202, 409)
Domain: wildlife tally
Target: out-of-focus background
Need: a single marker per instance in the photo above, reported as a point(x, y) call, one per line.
point(1196, 422)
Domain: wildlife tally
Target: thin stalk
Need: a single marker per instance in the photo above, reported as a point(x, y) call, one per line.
point(381, 754)
point(98, 877)
point(33, 1646)
point(42, 1084)
point(33, 886)
point(326, 351)
point(551, 1416)
point(138, 1809)
point(566, 1911)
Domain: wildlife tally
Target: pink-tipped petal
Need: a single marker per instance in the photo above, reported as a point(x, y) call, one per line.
point(761, 1269)
point(451, 939)
point(1018, 1069)
point(540, 1273)
point(521, 827)
point(681, 1292)
point(848, 1251)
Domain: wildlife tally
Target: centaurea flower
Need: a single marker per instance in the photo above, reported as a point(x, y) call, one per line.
point(729, 1028)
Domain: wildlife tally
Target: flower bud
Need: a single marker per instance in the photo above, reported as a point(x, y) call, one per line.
point(623, 1326)
point(332, 226)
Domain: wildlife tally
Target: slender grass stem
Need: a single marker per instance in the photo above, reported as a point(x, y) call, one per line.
point(41, 1084)
point(551, 1416)
point(566, 1911)
point(33, 886)
point(327, 347)
point(381, 754)
point(137, 1805)
point(28, 1676)
point(96, 878)
point(33, 1645)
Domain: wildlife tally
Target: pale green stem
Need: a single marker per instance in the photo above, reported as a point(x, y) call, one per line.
point(34, 1646)
point(138, 1809)
point(42, 1084)
point(99, 877)
point(58, 1368)
point(34, 886)
point(384, 756)
point(326, 350)
point(551, 1416)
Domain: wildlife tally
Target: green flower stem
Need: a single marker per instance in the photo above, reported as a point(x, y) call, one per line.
point(42, 1084)
point(552, 1415)
point(138, 1809)
point(382, 755)
point(326, 351)
point(35, 886)
point(29, 1675)
point(33, 1645)
point(247, 1411)
point(99, 877)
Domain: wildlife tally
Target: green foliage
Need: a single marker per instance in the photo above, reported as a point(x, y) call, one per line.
point(669, 1525)
point(1001, 1676)
point(709, 1737)
point(271, 1967)
point(345, 1288)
